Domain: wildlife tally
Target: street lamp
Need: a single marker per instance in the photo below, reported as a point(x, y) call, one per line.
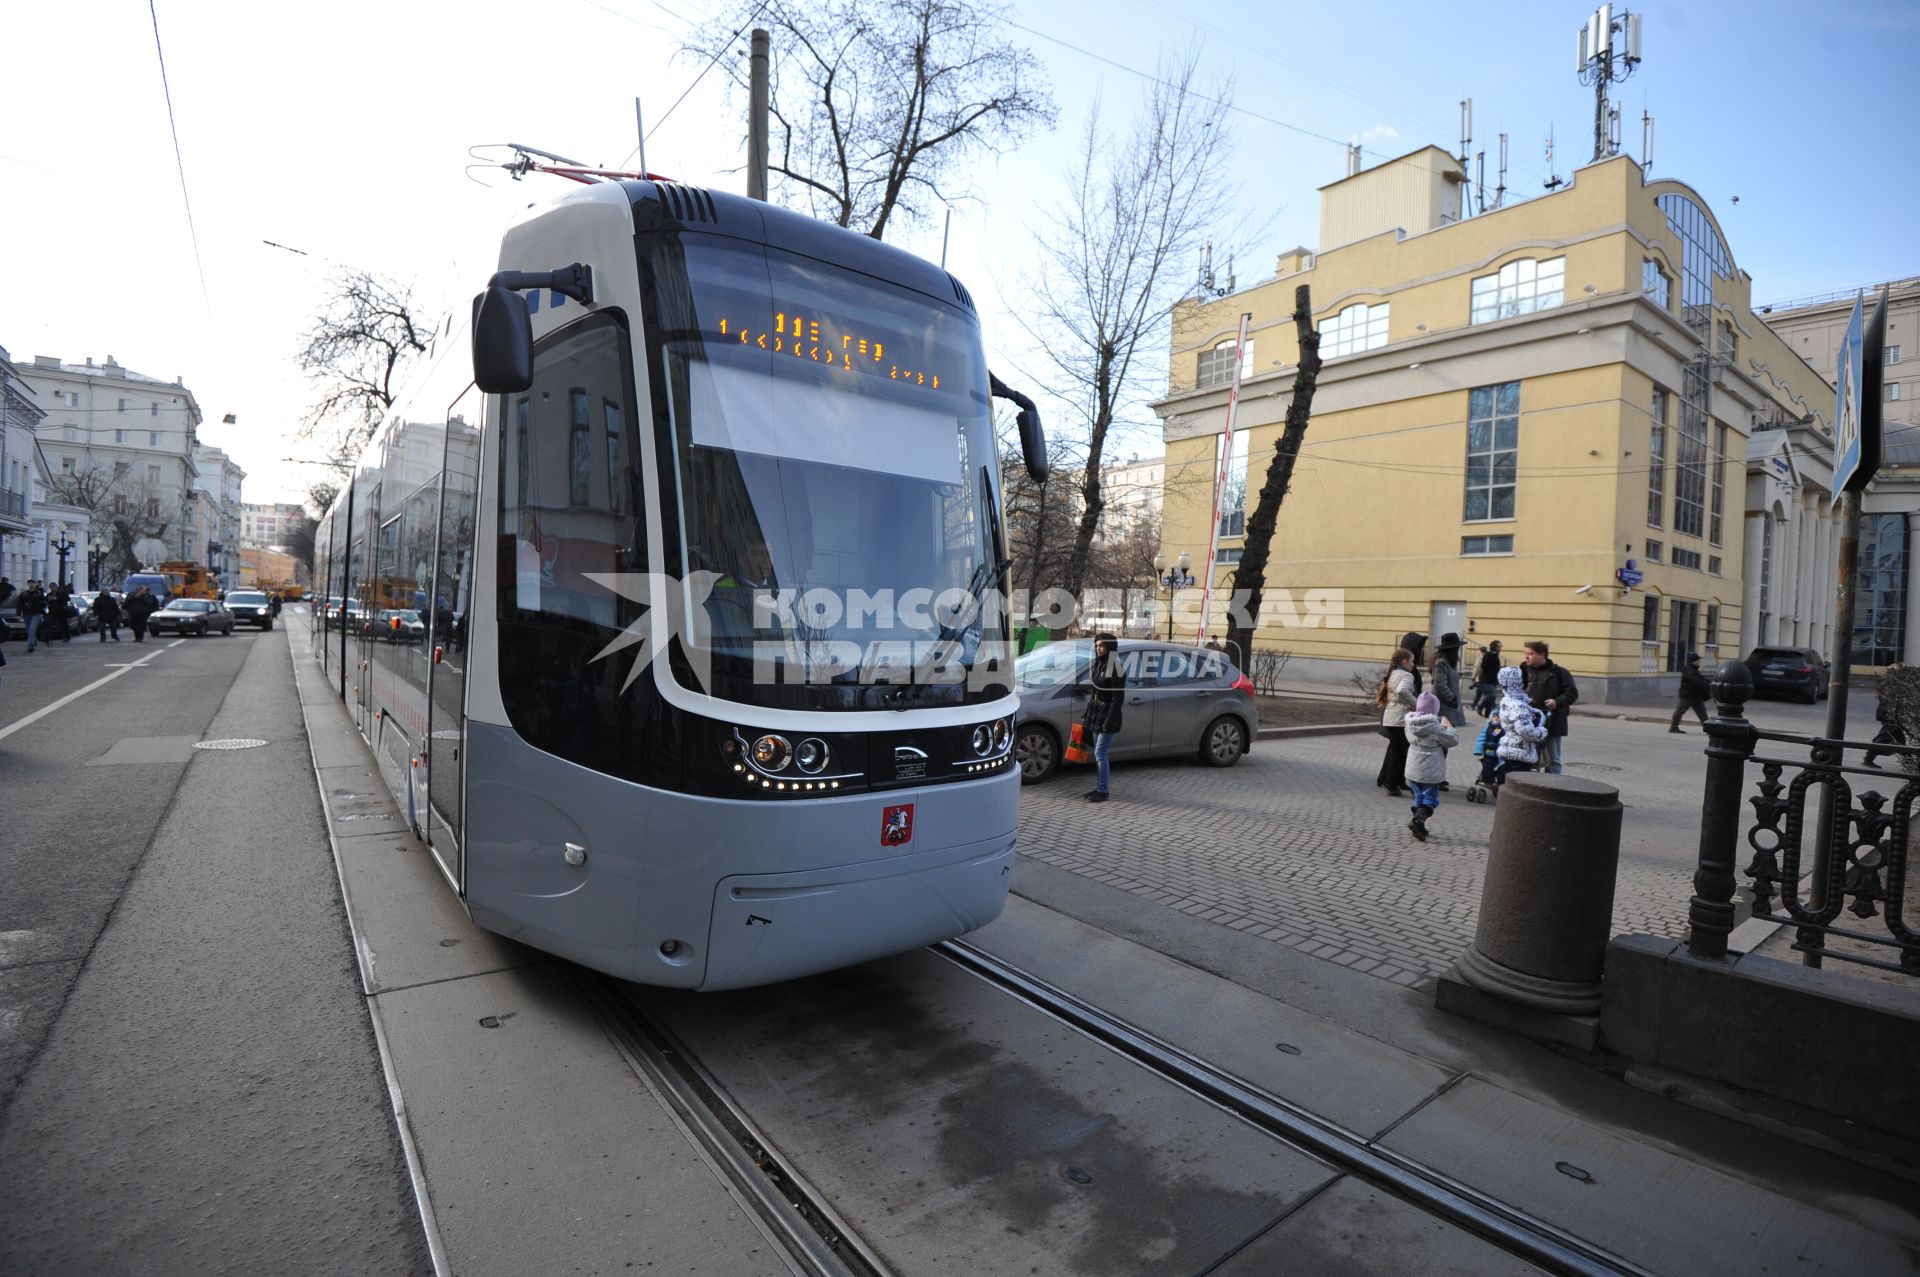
point(1170, 581)
point(63, 548)
point(96, 560)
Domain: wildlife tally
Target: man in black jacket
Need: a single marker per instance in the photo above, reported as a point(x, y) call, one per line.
point(1486, 680)
point(1104, 707)
point(1551, 690)
point(1695, 692)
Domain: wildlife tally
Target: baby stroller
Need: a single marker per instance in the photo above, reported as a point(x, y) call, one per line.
point(1493, 768)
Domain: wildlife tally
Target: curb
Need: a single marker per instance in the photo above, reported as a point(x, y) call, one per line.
point(1320, 729)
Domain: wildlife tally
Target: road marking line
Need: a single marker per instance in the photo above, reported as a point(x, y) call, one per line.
point(39, 714)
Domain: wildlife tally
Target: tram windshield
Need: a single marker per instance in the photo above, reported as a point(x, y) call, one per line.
point(833, 481)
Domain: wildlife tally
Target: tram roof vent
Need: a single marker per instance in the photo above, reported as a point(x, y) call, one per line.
point(960, 291)
point(688, 203)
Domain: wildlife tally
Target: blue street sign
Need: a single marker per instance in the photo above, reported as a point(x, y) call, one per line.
point(1630, 577)
point(1846, 405)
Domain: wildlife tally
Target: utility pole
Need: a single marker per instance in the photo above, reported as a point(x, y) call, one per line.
point(757, 117)
point(1605, 60)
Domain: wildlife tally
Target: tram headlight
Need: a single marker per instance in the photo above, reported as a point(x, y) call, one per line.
point(983, 739)
point(771, 753)
point(1002, 733)
point(810, 756)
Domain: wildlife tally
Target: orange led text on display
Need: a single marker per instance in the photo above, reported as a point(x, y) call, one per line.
point(802, 338)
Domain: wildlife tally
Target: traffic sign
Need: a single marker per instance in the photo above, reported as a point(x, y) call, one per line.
point(1846, 405)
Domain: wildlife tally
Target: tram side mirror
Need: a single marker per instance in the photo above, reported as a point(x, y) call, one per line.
point(1033, 444)
point(1033, 439)
point(502, 342)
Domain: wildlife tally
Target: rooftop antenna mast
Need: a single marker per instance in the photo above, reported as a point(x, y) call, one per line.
point(1500, 191)
point(1609, 50)
point(1553, 181)
point(1646, 141)
point(1466, 145)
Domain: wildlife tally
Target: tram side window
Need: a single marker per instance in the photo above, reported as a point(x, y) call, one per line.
point(568, 511)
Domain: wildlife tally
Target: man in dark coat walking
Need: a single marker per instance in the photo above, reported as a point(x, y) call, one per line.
point(140, 605)
point(1551, 690)
point(1695, 692)
point(106, 610)
point(1486, 680)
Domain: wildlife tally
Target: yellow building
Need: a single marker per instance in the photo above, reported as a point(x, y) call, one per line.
point(1512, 406)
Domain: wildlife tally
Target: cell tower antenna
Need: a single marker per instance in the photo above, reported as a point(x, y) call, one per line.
point(1553, 181)
point(1646, 141)
point(1480, 180)
point(1500, 190)
point(1608, 52)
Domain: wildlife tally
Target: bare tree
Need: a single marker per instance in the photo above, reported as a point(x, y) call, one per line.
point(873, 104)
point(1250, 581)
point(121, 511)
point(356, 354)
point(1137, 209)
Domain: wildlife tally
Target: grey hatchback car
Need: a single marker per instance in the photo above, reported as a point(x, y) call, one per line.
point(1180, 700)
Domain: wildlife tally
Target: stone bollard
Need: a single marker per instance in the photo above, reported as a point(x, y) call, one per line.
point(1546, 908)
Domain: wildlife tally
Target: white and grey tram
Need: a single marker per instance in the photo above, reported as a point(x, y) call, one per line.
point(672, 646)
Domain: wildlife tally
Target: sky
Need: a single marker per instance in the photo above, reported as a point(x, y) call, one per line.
point(311, 137)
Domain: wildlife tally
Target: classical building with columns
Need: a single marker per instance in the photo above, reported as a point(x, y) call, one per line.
point(1537, 422)
point(1790, 529)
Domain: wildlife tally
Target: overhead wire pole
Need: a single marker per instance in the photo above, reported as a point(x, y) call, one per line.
point(757, 116)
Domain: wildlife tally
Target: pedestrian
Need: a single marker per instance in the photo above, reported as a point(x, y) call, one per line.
point(1891, 732)
point(1523, 729)
point(1395, 696)
point(6, 590)
point(106, 610)
point(33, 609)
point(1102, 721)
point(58, 624)
point(1695, 692)
point(1416, 644)
point(1446, 683)
point(1429, 736)
point(140, 605)
point(1486, 680)
point(1551, 690)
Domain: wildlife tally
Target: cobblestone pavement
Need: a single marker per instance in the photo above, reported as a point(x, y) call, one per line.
point(1297, 845)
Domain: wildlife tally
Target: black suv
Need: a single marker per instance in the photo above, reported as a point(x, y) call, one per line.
point(1790, 671)
point(251, 607)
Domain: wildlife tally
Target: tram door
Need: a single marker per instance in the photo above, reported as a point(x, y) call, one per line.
point(450, 604)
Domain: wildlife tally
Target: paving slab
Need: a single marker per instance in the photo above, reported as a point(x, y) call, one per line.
point(543, 1152)
point(1350, 1079)
point(1355, 1230)
point(411, 928)
point(1661, 1210)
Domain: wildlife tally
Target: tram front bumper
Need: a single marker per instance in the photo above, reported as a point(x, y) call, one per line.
point(769, 927)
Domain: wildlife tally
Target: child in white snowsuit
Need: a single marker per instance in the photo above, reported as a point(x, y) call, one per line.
point(1522, 726)
point(1429, 737)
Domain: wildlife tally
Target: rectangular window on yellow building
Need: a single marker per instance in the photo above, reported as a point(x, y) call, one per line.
point(1233, 488)
point(1486, 545)
point(1657, 462)
point(1719, 482)
point(1690, 465)
point(1493, 449)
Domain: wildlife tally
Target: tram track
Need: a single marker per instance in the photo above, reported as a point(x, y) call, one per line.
point(819, 1242)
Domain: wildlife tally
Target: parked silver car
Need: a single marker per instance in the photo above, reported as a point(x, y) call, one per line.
point(192, 616)
point(1180, 700)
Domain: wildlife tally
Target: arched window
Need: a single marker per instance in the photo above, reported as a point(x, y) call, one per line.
point(1519, 288)
point(1356, 328)
point(1216, 365)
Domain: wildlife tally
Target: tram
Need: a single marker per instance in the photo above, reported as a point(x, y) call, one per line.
point(701, 509)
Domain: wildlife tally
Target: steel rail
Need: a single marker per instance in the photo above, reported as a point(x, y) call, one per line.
point(815, 1241)
point(1535, 1240)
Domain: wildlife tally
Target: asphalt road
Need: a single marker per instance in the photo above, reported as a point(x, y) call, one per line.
point(188, 1078)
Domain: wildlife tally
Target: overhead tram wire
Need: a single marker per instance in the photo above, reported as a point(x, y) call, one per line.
point(179, 163)
point(711, 63)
